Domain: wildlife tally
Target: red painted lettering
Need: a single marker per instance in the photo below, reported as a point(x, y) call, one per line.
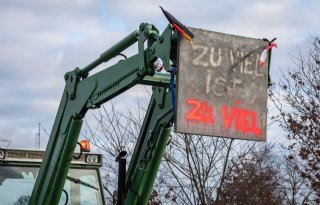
point(193, 114)
point(238, 116)
point(207, 113)
point(255, 129)
point(245, 120)
point(241, 119)
point(227, 117)
point(200, 112)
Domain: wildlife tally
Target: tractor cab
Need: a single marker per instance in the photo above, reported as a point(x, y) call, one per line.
point(19, 169)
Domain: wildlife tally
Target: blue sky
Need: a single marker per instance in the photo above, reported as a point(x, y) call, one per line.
point(42, 40)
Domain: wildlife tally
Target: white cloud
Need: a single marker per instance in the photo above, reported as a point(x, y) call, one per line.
point(41, 40)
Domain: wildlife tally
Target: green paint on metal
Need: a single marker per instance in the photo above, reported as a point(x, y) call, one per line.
point(63, 167)
point(145, 161)
point(111, 52)
point(82, 93)
point(153, 166)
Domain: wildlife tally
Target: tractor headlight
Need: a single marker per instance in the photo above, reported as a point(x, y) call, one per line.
point(92, 158)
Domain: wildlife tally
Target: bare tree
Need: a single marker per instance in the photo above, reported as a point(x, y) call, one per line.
point(195, 166)
point(114, 131)
point(295, 188)
point(254, 180)
point(298, 102)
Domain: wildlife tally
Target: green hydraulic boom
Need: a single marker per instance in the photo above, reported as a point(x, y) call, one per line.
point(83, 92)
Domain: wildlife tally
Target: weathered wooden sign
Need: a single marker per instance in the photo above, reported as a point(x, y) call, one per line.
point(221, 89)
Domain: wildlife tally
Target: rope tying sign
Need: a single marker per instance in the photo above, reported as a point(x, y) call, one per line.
point(266, 51)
